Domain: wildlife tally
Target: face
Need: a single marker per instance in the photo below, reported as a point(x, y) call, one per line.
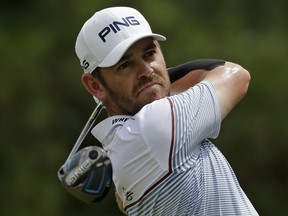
point(139, 78)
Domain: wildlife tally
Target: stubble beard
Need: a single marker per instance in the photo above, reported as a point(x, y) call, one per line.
point(131, 105)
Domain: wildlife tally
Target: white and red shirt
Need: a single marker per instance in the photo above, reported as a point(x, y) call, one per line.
point(163, 162)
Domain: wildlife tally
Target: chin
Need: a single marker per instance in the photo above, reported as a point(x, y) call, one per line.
point(155, 97)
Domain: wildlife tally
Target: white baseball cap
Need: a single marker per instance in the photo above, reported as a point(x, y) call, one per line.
point(107, 35)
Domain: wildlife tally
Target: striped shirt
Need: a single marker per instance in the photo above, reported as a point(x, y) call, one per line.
point(163, 162)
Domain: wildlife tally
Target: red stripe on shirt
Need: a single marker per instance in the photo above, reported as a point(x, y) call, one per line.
point(169, 161)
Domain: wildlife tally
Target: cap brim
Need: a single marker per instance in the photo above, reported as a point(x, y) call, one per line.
point(116, 54)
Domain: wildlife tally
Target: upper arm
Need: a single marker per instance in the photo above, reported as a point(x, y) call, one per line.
point(231, 83)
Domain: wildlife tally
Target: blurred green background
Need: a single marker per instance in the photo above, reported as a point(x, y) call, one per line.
point(44, 106)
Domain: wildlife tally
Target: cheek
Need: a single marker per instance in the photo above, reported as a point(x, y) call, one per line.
point(122, 87)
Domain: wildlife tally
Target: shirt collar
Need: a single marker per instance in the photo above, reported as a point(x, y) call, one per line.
point(102, 129)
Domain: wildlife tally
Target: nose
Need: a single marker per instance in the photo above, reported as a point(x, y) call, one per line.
point(144, 69)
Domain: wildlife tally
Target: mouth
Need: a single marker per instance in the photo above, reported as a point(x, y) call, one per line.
point(148, 86)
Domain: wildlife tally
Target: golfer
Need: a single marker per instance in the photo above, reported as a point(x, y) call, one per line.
point(158, 134)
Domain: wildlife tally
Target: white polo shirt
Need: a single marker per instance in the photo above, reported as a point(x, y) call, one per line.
point(163, 162)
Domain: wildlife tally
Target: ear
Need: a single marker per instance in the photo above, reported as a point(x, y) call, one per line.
point(93, 85)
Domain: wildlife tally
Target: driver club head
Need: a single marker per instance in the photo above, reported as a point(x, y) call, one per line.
point(87, 174)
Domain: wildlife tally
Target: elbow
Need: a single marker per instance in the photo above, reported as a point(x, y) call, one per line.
point(245, 80)
point(239, 76)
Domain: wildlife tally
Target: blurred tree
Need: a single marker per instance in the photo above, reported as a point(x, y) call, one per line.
point(44, 106)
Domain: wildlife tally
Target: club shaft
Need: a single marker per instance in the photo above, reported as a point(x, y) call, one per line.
point(86, 129)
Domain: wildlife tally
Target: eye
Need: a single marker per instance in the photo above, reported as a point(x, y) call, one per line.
point(150, 53)
point(124, 65)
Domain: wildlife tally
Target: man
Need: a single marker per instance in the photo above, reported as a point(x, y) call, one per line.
point(157, 133)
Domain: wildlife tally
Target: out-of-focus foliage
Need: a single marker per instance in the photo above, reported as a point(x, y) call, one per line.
point(44, 106)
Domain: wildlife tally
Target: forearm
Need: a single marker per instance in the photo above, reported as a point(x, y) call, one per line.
point(179, 71)
point(188, 74)
point(189, 80)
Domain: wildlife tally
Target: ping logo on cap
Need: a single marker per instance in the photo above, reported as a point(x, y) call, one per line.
point(115, 26)
point(85, 64)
